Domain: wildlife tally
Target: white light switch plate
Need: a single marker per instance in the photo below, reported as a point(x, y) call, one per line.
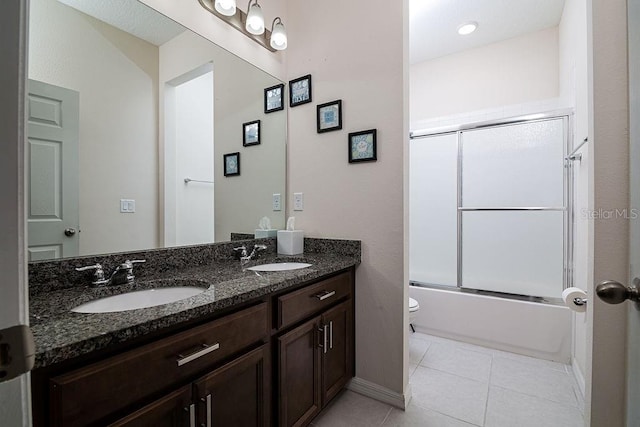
point(127, 206)
point(298, 201)
point(277, 202)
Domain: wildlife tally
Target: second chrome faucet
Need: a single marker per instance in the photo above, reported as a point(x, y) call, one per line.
point(242, 252)
point(123, 274)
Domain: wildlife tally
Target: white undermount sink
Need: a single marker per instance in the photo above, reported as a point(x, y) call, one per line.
point(280, 266)
point(139, 299)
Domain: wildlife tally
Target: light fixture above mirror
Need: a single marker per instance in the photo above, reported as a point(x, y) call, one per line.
point(251, 23)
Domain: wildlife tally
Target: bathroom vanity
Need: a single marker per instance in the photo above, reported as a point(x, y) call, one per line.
point(255, 349)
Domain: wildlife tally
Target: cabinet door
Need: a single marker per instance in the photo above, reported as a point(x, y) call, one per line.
point(236, 394)
point(299, 374)
point(173, 410)
point(337, 351)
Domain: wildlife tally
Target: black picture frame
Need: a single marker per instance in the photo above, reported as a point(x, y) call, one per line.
point(232, 164)
point(363, 153)
point(251, 133)
point(274, 98)
point(329, 116)
point(300, 91)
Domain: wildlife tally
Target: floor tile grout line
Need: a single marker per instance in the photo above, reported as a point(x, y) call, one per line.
point(455, 375)
point(428, 408)
point(486, 403)
point(386, 417)
point(538, 397)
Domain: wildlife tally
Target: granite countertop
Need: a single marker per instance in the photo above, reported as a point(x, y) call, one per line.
point(61, 334)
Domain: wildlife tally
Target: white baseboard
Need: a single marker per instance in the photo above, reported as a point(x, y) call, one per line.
point(380, 393)
point(579, 376)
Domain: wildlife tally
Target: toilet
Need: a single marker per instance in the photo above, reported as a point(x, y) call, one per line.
point(413, 307)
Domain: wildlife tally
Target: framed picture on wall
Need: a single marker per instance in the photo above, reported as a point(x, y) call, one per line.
point(362, 146)
point(273, 98)
point(300, 91)
point(251, 133)
point(329, 116)
point(232, 164)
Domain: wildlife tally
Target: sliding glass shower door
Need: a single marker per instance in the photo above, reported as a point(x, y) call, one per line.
point(503, 225)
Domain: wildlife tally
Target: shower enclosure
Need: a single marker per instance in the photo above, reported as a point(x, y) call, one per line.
point(491, 207)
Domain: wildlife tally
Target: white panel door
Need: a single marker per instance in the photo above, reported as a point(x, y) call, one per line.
point(52, 153)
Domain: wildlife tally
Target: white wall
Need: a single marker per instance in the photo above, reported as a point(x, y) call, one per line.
point(238, 88)
point(574, 93)
point(194, 159)
point(116, 75)
point(363, 66)
point(515, 71)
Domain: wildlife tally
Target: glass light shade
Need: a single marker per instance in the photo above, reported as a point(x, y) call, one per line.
point(278, 36)
point(226, 7)
point(255, 20)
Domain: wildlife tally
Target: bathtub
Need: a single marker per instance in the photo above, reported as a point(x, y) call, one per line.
point(523, 327)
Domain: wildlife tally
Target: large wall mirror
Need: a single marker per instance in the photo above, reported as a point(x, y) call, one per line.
point(129, 118)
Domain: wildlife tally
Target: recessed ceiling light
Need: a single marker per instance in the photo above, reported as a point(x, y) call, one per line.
point(467, 28)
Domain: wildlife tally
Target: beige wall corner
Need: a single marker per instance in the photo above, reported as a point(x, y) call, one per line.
point(354, 51)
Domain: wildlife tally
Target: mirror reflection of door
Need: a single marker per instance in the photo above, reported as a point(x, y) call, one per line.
point(52, 152)
point(189, 159)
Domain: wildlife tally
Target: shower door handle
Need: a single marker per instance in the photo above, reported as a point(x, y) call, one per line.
point(613, 292)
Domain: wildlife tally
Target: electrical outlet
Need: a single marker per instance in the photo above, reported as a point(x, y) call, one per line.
point(127, 206)
point(298, 201)
point(277, 202)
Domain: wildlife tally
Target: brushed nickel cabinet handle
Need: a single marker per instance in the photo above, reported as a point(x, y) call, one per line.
point(331, 335)
point(192, 415)
point(324, 295)
point(324, 331)
point(206, 349)
point(208, 410)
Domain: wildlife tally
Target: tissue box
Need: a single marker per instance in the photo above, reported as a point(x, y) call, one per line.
point(290, 242)
point(272, 232)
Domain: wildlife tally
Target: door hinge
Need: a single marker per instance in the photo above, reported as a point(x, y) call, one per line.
point(17, 352)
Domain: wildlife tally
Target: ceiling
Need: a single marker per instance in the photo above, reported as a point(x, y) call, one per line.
point(130, 16)
point(433, 24)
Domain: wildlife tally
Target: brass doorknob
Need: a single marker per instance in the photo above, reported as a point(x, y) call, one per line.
point(613, 292)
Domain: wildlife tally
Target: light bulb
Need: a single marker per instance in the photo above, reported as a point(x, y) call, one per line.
point(278, 35)
point(255, 20)
point(226, 7)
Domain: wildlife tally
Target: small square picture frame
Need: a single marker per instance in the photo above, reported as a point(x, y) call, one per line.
point(273, 98)
point(251, 133)
point(329, 116)
point(362, 146)
point(232, 164)
point(300, 91)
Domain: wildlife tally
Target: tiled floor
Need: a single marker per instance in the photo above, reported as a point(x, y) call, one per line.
point(456, 384)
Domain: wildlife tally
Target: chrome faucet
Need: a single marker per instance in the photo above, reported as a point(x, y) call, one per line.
point(123, 274)
point(242, 250)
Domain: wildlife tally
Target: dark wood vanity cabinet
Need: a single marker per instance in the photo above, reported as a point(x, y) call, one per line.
point(315, 359)
point(173, 410)
point(236, 394)
point(220, 373)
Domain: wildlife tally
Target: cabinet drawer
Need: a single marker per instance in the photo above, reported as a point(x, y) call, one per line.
point(304, 302)
point(91, 393)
